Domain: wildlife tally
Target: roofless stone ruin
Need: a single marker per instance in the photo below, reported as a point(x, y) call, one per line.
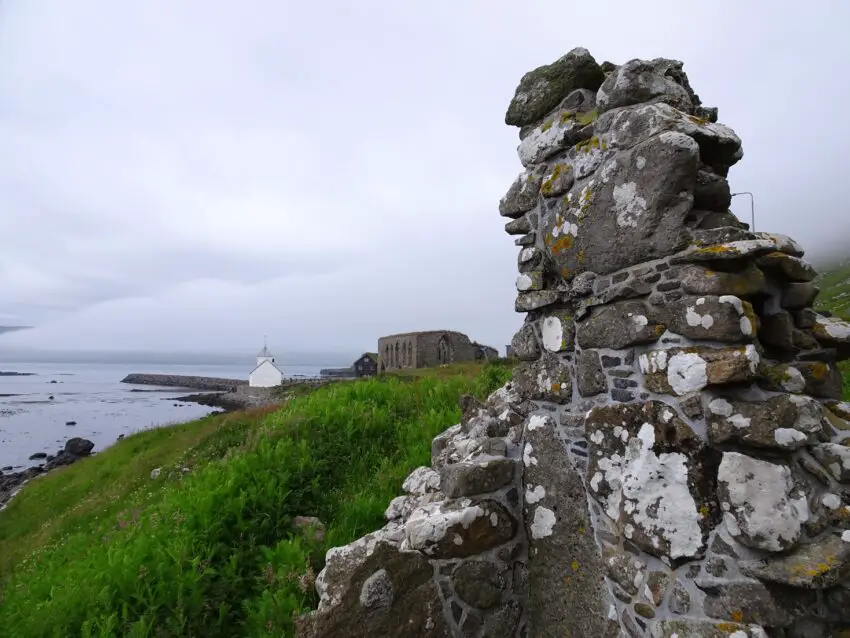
point(671, 458)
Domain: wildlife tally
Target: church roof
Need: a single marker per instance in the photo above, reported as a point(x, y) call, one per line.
point(264, 352)
point(269, 363)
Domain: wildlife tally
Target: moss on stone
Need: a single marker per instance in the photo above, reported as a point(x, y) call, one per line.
point(699, 121)
point(589, 145)
point(586, 118)
point(546, 126)
point(549, 185)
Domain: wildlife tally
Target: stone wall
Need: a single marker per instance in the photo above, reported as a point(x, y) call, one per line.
point(423, 349)
point(670, 459)
point(181, 381)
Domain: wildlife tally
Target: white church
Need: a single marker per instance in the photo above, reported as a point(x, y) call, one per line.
point(266, 374)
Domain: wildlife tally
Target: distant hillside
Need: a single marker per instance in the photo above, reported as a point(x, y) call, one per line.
point(834, 283)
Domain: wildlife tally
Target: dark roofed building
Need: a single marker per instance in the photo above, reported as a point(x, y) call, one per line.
point(366, 365)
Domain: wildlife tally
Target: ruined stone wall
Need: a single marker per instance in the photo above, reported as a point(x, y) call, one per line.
point(671, 458)
point(424, 349)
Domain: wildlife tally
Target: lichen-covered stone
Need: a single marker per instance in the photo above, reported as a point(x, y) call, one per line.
point(703, 629)
point(485, 475)
point(684, 370)
point(727, 318)
point(639, 81)
point(784, 422)
point(590, 378)
point(625, 198)
point(519, 226)
point(522, 195)
point(479, 584)
point(646, 470)
point(680, 599)
point(542, 89)
point(618, 325)
point(454, 529)
point(817, 565)
point(627, 570)
point(822, 380)
point(832, 332)
point(565, 568)
point(787, 267)
point(754, 602)
point(761, 506)
point(525, 344)
point(700, 280)
point(835, 458)
point(557, 331)
point(558, 132)
point(547, 379)
point(534, 300)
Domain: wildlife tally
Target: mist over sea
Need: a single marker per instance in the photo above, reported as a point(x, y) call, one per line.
point(87, 389)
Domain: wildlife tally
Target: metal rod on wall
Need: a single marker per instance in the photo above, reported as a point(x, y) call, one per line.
point(752, 208)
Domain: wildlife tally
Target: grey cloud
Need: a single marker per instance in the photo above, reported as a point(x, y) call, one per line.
point(327, 173)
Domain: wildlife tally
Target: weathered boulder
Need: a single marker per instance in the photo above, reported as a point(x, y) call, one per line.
point(684, 370)
point(618, 325)
point(590, 378)
point(833, 333)
point(784, 422)
point(541, 90)
point(547, 379)
point(485, 474)
point(817, 565)
point(522, 195)
point(725, 318)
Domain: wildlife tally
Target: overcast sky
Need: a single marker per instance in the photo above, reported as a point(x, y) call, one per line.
point(187, 174)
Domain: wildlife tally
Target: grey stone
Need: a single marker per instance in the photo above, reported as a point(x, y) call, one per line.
point(467, 478)
point(564, 565)
point(525, 344)
point(618, 325)
point(699, 280)
point(817, 565)
point(627, 571)
point(822, 380)
point(787, 267)
point(583, 283)
point(610, 362)
point(557, 330)
point(691, 628)
point(716, 566)
point(691, 405)
point(680, 599)
point(542, 89)
point(522, 195)
point(503, 622)
point(529, 239)
point(377, 591)
point(758, 499)
point(597, 227)
point(409, 599)
point(519, 226)
point(832, 332)
point(528, 301)
point(455, 529)
point(622, 396)
point(547, 379)
point(590, 379)
point(720, 546)
point(559, 181)
point(783, 422)
point(639, 81)
point(777, 330)
point(711, 192)
point(478, 583)
point(754, 602)
point(725, 318)
point(683, 371)
point(78, 446)
point(799, 295)
point(657, 583)
point(835, 458)
point(662, 503)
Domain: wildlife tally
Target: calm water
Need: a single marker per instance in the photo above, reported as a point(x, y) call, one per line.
point(92, 395)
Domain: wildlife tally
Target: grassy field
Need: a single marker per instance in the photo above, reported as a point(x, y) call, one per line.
point(834, 296)
point(101, 549)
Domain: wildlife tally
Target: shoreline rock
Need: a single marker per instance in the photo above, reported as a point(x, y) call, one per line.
point(181, 381)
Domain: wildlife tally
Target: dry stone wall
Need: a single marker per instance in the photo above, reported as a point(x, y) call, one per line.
point(671, 458)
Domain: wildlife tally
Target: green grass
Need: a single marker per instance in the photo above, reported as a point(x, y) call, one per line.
point(834, 296)
point(213, 553)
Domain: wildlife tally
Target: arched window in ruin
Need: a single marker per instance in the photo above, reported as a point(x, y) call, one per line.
point(387, 362)
point(409, 353)
point(397, 358)
point(445, 351)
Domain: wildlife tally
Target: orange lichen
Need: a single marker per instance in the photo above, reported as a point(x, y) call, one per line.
point(565, 243)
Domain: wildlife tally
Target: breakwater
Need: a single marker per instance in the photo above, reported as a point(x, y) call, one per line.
point(181, 381)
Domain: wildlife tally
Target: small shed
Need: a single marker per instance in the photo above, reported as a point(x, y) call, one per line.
point(366, 365)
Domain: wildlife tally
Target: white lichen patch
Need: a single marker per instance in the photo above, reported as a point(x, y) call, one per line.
point(794, 381)
point(527, 458)
point(543, 140)
point(831, 501)
point(608, 170)
point(845, 536)
point(628, 205)
point(535, 495)
point(680, 140)
point(687, 372)
point(421, 481)
point(761, 513)
point(739, 421)
point(789, 437)
point(640, 162)
point(654, 361)
point(640, 321)
point(526, 254)
point(430, 524)
point(835, 328)
point(721, 407)
point(566, 227)
point(660, 503)
point(543, 522)
point(538, 421)
point(552, 333)
point(524, 283)
point(695, 319)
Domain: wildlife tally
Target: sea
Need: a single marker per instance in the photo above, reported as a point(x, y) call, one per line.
point(36, 412)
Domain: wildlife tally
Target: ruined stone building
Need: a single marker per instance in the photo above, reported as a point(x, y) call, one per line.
point(672, 456)
point(423, 350)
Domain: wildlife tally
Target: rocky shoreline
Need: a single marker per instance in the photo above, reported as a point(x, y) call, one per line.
point(7, 373)
point(180, 381)
point(11, 482)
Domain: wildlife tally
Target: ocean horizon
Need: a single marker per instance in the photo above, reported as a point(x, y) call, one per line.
point(35, 410)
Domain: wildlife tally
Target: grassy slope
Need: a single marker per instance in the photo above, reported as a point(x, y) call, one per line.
point(100, 549)
point(834, 296)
